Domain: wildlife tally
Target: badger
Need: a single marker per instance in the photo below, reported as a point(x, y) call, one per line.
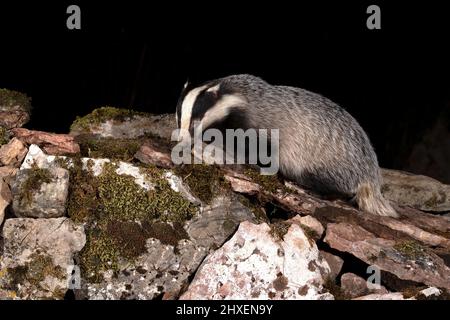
point(321, 146)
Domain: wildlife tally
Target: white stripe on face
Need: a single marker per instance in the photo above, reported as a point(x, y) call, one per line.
point(186, 108)
point(222, 109)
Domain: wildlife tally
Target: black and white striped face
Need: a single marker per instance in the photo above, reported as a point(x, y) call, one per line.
point(205, 105)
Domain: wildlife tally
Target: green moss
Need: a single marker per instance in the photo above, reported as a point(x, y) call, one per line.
point(229, 226)
point(111, 148)
point(114, 196)
point(4, 136)
point(256, 208)
point(410, 249)
point(410, 292)
point(122, 198)
point(98, 255)
point(35, 178)
point(63, 162)
point(121, 215)
point(434, 201)
point(83, 204)
point(269, 183)
point(331, 287)
point(34, 272)
point(204, 181)
point(279, 229)
point(10, 98)
point(17, 277)
point(101, 115)
point(310, 233)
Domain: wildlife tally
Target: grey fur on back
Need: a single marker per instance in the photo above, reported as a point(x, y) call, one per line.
point(321, 145)
point(317, 137)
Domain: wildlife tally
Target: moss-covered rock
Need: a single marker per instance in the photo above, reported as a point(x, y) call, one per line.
point(35, 178)
point(4, 136)
point(40, 192)
point(121, 214)
point(101, 115)
point(38, 255)
point(269, 183)
point(10, 99)
point(111, 148)
point(110, 122)
point(410, 249)
point(34, 272)
point(15, 108)
point(204, 181)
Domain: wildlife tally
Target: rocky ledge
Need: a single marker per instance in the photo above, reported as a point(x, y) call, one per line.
point(102, 213)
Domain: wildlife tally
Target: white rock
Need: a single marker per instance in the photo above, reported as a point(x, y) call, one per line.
point(310, 222)
point(386, 296)
point(255, 265)
point(25, 241)
point(47, 201)
point(431, 291)
point(5, 198)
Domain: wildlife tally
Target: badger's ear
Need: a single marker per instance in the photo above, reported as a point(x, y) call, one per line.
point(214, 90)
point(186, 84)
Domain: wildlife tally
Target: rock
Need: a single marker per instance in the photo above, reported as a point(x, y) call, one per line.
point(36, 157)
point(40, 193)
point(420, 192)
point(124, 124)
point(334, 262)
point(407, 260)
point(218, 221)
point(8, 173)
point(383, 296)
point(166, 267)
point(38, 257)
point(14, 109)
point(162, 269)
point(431, 291)
point(5, 198)
point(255, 265)
point(353, 285)
point(12, 153)
point(4, 136)
point(240, 183)
point(142, 258)
point(150, 153)
point(52, 143)
point(311, 224)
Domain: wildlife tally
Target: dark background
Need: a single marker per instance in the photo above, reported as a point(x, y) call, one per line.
point(394, 81)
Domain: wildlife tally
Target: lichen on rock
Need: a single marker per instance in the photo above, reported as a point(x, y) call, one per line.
point(121, 214)
point(40, 192)
point(35, 178)
point(204, 181)
point(15, 108)
point(37, 257)
point(11, 98)
point(123, 124)
point(4, 136)
point(102, 114)
point(92, 146)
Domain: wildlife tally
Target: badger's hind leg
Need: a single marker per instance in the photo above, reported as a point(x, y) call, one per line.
point(369, 198)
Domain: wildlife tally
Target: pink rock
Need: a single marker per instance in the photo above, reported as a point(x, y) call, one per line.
point(12, 153)
point(51, 143)
point(254, 264)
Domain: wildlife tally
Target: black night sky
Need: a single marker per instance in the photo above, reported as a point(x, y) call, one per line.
point(395, 81)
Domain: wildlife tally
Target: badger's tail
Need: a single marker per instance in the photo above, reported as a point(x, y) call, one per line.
point(369, 198)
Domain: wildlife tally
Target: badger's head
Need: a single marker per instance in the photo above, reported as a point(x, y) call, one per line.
point(206, 105)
